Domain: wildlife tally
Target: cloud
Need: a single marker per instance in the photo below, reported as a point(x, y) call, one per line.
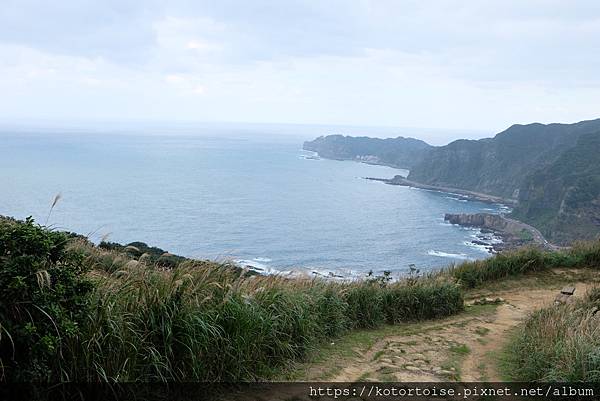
point(446, 63)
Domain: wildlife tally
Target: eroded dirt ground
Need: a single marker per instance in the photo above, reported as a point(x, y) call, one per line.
point(465, 347)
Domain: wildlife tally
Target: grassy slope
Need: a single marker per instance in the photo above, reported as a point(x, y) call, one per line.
point(146, 321)
point(558, 343)
point(196, 321)
point(368, 349)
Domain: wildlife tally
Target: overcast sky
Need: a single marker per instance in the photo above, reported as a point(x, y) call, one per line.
point(453, 64)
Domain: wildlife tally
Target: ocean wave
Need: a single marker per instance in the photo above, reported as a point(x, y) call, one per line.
point(252, 264)
point(487, 248)
point(264, 260)
point(455, 199)
point(260, 265)
point(309, 155)
point(441, 254)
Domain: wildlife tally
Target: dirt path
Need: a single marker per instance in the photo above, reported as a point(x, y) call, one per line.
point(460, 348)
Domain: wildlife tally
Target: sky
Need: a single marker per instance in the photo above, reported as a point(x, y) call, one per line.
point(472, 65)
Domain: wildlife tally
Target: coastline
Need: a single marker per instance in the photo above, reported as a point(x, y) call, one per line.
point(513, 233)
point(461, 193)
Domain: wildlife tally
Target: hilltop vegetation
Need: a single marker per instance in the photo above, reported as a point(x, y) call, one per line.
point(396, 152)
point(499, 165)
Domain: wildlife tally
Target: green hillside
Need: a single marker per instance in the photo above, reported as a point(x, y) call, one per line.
point(396, 152)
point(563, 199)
point(499, 165)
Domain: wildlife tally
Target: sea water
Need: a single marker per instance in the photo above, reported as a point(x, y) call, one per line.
point(257, 200)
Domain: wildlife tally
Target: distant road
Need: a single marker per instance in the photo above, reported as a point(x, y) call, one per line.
point(538, 237)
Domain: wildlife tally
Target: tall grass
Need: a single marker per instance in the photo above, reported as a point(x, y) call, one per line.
point(142, 320)
point(559, 343)
point(525, 260)
point(204, 321)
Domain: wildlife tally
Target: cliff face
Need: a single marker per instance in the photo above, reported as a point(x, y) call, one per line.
point(483, 220)
point(396, 152)
point(499, 165)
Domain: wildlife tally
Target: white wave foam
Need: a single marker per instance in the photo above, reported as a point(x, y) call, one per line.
point(455, 199)
point(309, 155)
point(441, 254)
point(255, 265)
point(260, 265)
point(480, 247)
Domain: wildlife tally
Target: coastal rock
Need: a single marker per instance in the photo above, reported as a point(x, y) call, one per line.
point(490, 221)
point(513, 232)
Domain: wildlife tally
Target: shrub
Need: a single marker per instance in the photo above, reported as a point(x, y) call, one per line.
point(525, 260)
point(587, 254)
point(364, 305)
point(331, 311)
point(423, 300)
point(44, 301)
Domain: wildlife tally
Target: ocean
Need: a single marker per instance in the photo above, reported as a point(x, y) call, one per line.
point(257, 200)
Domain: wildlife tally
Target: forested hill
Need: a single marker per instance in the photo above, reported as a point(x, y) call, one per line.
point(552, 170)
point(562, 199)
point(499, 165)
point(396, 152)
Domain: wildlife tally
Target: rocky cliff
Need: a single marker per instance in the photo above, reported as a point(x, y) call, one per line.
point(483, 220)
point(514, 233)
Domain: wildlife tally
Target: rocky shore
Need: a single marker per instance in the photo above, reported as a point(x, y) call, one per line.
point(512, 232)
point(497, 232)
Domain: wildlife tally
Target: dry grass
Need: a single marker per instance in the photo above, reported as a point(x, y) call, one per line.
point(204, 321)
point(559, 343)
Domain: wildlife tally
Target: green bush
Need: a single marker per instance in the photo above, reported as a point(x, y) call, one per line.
point(365, 306)
point(420, 301)
point(44, 301)
point(331, 311)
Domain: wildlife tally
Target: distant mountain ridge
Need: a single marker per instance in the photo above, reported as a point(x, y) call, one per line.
point(397, 152)
point(551, 170)
point(498, 165)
